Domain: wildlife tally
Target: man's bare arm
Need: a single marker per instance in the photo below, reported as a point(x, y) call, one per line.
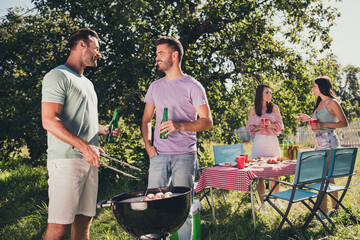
point(146, 128)
point(51, 122)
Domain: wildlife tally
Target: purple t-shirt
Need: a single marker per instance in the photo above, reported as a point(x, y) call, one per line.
point(181, 97)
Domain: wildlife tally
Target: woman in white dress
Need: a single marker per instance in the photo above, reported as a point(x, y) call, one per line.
point(265, 142)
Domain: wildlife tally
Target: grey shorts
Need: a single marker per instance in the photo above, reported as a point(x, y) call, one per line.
point(73, 187)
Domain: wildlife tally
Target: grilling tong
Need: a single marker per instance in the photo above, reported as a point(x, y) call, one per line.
point(112, 168)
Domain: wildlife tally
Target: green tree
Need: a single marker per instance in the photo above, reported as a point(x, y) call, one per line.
point(349, 91)
point(227, 43)
point(31, 45)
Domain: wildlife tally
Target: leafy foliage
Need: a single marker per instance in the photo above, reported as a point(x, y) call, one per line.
point(349, 91)
point(230, 47)
point(31, 45)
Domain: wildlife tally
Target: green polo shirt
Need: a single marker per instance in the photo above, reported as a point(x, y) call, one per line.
point(79, 113)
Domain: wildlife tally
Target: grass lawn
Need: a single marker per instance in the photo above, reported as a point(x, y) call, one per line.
point(23, 211)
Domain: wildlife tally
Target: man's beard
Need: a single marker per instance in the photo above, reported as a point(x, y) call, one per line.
point(165, 65)
point(91, 59)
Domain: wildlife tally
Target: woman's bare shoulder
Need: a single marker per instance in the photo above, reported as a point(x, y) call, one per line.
point(333, 103)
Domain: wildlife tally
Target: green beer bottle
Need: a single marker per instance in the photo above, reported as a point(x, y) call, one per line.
point(165, 118)
point(112, 126)
point(285, 149)
point(296, 150)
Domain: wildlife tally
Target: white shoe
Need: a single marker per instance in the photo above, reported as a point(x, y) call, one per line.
point(263, 208)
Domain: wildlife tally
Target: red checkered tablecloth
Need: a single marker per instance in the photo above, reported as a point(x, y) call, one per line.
point(276, 170)
point(232, 178)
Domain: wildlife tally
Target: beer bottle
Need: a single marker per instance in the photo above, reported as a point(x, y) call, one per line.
point(296, 150)
point(165, 118)
point(285, 149)
point(290, 150)
point(112, 126)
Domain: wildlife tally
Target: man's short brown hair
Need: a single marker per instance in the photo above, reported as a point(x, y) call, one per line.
point(173, 43)
point(81, 34)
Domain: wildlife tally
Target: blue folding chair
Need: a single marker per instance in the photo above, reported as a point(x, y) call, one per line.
point(341, 165)
point(227, 153)
point(311, 167)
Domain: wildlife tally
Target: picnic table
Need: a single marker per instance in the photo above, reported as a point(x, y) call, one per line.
point(232, 178)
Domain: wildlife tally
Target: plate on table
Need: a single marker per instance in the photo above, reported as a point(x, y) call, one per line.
point(228, 164)
point(290, 162)
point(262, 165)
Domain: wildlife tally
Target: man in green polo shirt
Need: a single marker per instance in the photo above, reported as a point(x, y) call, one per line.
point(70, 116)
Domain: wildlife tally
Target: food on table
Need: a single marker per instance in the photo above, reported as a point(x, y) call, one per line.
point(260, 158)
point(272, 161)
point(281, 158)
point(251, 160)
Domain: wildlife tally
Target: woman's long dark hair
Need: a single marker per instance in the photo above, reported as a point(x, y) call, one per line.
point(325, 87)
point(259, 100)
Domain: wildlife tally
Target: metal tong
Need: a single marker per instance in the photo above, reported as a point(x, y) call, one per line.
point(116, 160)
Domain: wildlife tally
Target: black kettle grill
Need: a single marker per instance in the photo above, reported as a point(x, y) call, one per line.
point(156, 219)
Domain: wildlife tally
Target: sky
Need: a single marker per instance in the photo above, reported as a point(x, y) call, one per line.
point(346, 35)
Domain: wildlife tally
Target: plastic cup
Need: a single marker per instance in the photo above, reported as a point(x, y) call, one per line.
point(240, 162)
point(312, 121)
point(246, 157)
point(264, 122)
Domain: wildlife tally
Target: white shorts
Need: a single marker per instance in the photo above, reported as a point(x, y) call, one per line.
point(265, 146)
point(73, 187)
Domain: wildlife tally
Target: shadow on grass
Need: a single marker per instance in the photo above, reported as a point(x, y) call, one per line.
point(234, 221)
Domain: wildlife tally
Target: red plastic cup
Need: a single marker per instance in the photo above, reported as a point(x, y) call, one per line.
point(264, 122)
point(246, 157)
point(240, 162)
point(312, 121)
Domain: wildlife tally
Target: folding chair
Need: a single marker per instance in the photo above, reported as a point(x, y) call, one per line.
point(227, 153)
point(311, 167)
point(341, 165)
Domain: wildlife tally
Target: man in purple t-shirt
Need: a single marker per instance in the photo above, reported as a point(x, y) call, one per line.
point(174, 159)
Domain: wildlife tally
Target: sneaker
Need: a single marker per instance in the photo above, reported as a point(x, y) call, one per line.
point(263, 208)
